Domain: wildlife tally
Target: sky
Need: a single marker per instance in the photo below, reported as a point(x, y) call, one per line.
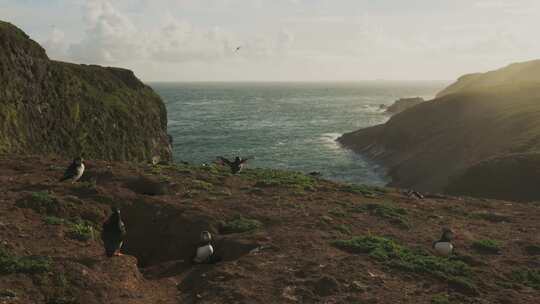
point(284, 40)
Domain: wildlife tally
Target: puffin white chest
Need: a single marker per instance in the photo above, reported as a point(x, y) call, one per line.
point(203, 253)
point(79, 172)
point(443, 248)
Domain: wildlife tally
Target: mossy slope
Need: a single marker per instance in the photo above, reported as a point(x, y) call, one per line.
point(51, 107)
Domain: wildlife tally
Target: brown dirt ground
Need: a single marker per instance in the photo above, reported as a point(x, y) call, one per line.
point(289, 260)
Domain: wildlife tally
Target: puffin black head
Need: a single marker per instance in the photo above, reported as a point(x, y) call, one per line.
point(206, 236)
point(447, 235)
point(115, 210)
point(78, 160)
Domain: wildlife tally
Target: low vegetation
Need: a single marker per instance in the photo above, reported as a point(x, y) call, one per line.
point(345, 229)
point(53, 220)
point(279, 178)
point(441, 298)
point(394, 255)
point(81, 231)
point(387, 211)
point(10, 263)
point(487, 246)
point(527, 277)
point(41, 202)
point(366, 191)
point(532, 249)
point(240, 224)
point(77, 229)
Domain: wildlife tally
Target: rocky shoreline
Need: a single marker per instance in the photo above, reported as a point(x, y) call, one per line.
point(434, 144)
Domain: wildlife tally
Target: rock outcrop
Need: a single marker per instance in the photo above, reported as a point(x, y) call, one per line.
point(433, 145)
point(51, 107)
point(403, 104)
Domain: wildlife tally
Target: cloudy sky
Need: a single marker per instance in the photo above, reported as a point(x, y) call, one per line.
point(195, 40)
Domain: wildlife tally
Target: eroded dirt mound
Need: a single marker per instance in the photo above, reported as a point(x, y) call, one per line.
point(284, 238)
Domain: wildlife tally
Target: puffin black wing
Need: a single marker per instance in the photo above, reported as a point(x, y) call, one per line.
point(113, 235)
point(225, 161)
point(70, 172)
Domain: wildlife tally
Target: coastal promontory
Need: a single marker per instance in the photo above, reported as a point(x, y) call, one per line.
point(437, 145)
point(52, 107)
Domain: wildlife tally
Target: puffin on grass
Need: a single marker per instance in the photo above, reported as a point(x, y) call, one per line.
point(74, 171)
point(444, 246)
point(205, 253)
point(236, 165)
point(113, 234)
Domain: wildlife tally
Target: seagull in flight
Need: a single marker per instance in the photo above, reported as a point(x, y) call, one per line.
point(238, 48)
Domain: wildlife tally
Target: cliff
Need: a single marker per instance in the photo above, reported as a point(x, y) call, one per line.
point(516, 73)
point(403, 104)
point(51, 107)
point(284, 237)
point(434, 144)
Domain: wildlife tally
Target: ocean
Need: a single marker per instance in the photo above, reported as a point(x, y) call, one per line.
point(291, 126)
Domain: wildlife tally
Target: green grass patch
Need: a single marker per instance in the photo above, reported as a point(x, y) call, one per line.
point(81, 231)
point(23, 264)
point(53, 220)
point(201, 185)
point(387, 211)
point(441, 298)
point(396, 256)
point(487, 246)
point(337, 212)
point(279, 178)
point(345, 229)
point(527, 277)
point(41, 202)
point(366, 191)
point(240, 224)
point(532, 249)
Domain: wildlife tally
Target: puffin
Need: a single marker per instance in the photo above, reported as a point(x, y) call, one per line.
point(205, 253)
point(444, 247)
point(74, 171)
point(113, 234)
point(236, 165)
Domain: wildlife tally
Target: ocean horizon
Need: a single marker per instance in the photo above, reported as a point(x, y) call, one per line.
point(283, 125)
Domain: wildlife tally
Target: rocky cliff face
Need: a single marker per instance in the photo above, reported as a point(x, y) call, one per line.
point(433, 146)
point(51, 107)
point(403, 104)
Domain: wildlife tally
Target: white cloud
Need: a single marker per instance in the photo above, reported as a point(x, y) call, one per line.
point(111, 37)
point(284, 39)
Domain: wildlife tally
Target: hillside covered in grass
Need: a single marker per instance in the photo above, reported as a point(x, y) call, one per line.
point(284, 238)
point(445, 144)
point(51, 107)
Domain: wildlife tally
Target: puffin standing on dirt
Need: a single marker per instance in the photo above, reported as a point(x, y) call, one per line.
point(113, 234)
point(444, 246)
point(205, 253)
point(236, 165)
point(74, 171)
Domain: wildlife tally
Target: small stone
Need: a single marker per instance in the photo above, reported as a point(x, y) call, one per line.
point(359, 286)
